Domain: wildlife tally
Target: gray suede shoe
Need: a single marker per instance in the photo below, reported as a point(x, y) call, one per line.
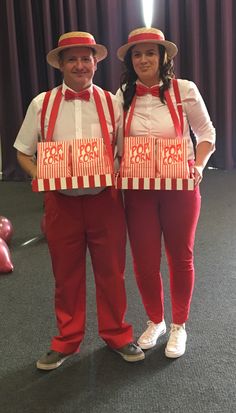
point(51, 360)
point(130, 352)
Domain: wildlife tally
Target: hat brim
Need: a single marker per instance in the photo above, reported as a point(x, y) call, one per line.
point(53, 55)
point(171, 48)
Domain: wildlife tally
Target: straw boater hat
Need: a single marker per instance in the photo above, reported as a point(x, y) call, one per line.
point(147, 35)
point(75, 39)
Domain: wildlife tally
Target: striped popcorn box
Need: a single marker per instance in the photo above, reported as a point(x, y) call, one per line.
point(171, 158)
point(139, 157)
point(167, 184)
point(53, 159)
point(89, 157)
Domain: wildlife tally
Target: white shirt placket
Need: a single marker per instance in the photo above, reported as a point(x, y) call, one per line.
point(78, 118)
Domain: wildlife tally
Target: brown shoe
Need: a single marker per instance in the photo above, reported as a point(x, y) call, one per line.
point(51, 360)
point(130, 352)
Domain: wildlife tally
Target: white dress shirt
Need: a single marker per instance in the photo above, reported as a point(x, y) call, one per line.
point(152, 117)
point(76, 119)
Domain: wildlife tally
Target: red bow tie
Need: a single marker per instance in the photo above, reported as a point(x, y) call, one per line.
point(143, 90)
point(83, 95)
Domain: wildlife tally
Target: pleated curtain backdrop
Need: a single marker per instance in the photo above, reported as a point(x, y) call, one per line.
point(202, 29)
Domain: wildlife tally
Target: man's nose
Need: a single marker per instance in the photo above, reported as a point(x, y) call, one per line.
point(79, 63)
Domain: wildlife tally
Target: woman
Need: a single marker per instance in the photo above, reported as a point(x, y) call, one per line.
point(150, 97)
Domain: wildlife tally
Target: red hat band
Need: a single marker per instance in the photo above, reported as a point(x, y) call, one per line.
point(145, 36)
point(70, 41)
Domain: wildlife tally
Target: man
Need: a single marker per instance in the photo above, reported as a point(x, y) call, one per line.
point(78, 219)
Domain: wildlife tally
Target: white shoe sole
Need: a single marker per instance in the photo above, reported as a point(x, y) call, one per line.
point(52, 366)
point(147, 346)
point(172, 355)
point(130, 358)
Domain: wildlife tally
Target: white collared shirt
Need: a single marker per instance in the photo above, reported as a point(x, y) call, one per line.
point(76, 119)
point(152, 117)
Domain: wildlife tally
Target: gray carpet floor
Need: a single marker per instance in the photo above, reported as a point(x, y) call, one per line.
point(98, 380)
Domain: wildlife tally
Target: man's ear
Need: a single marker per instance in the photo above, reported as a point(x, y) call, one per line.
point(95, 63)
point(60, 62)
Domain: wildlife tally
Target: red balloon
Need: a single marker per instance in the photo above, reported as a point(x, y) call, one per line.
point(6, 229)
point(5, 258)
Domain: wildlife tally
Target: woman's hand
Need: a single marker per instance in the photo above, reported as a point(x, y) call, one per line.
point(203, 153)
point(197, 174)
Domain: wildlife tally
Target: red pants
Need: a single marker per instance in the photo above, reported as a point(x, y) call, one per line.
point(173, 214)
point(73, 224)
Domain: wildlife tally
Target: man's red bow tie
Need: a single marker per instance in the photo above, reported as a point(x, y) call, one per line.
point(83, 95)
point(143, 90)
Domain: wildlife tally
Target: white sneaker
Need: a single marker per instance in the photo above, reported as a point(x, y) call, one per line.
point(149, 338)
point(177, 342)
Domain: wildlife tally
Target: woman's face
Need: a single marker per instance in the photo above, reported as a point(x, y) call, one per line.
point(145, 58)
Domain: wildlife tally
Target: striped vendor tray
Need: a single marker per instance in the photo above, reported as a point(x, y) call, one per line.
point(178, 184)
point(72, 182)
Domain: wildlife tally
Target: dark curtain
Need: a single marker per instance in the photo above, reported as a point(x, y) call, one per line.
point(202, 29)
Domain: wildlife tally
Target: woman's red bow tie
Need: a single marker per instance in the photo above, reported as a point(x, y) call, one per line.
point(143, 90)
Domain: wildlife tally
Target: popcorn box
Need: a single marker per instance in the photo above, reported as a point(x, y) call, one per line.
point(89, 157)
point(53, 159)
point(73, 164)
point(155, 164)
point(171, 158)
point(139, 157)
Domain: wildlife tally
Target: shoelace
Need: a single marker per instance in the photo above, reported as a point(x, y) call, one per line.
point(174, 336)
point(150, 330)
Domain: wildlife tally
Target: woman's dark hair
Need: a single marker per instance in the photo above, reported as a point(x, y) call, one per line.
point(129, 77)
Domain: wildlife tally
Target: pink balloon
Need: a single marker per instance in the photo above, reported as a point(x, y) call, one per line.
point(5, 258)
point(6, 229)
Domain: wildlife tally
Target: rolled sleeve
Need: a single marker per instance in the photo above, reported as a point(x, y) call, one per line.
point(197, 115)
point(29, 133)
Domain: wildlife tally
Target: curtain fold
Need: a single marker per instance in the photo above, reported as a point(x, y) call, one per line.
point(203, 31)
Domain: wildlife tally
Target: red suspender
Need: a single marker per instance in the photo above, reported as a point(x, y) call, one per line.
point(103, 124)
point(173, 113)
point(53, 115)
point(58, 98)
point(43, 113)
point(179, 103)
point(178, 122)
point(101, 115)
point(130, 116)
point(111, 111)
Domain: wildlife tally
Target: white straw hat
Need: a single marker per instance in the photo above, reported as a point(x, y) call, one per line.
point(75, 39)
point(147, 35)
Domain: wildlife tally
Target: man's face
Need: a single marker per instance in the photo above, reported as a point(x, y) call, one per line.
point(78, 66)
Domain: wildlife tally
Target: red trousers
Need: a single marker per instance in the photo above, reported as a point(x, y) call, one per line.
point(73, 224)
point(173, 215)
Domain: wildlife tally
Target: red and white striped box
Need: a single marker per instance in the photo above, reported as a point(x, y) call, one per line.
point(171, 158)
point(53, 159)
point(139, 157)
point(73, 164)
point(89, 157)
point(168, 184)
point(72, 182)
